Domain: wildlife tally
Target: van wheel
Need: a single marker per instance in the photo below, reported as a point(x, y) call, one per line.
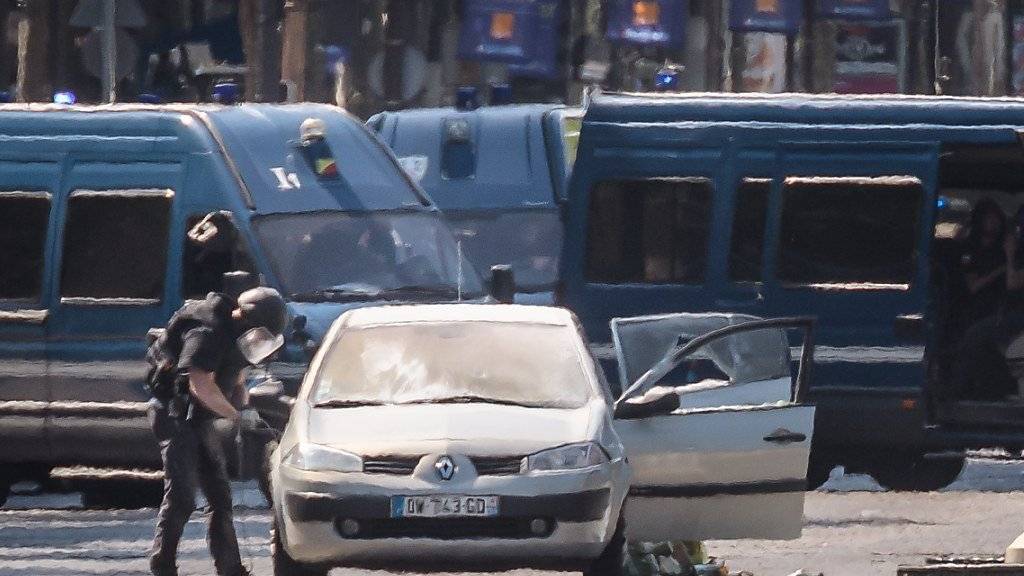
point(915, 473)
point(122, 495)
point(612, 561)
point(5, 490)
point(285, 565)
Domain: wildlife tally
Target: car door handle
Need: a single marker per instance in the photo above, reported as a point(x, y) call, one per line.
point(783, 436)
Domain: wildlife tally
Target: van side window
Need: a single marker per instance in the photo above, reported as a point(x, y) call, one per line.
point(24, 219)
point(748, 226)
point(204, 266)
point(649, 231)
point(115, 244)
point(850, 231)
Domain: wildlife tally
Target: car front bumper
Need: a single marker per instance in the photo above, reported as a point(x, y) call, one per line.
point(578, 511)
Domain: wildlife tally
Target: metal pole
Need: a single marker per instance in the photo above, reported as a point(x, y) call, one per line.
point(110, 51)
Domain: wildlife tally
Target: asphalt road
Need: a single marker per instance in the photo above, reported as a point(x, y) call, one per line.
point(853, 528)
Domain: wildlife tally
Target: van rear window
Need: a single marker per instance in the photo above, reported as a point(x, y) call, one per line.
point(651, 231)
point(24, 219)
point(850, 232)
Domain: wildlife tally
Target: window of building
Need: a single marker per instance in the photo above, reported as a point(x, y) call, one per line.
point(849, 231)
point(649, 231)
point(24, 219)
point(115, 244)
point(746, 250)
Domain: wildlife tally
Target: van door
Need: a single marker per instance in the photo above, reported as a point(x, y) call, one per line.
point(113, 284)
point(26, 233)
point(848, 242)
point(729, 470)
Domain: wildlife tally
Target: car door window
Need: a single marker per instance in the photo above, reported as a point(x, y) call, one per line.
point(24, 219)
point(652, 231)
point(749, 367)
point(850, 232)
point(115, 245)
point(746, 249)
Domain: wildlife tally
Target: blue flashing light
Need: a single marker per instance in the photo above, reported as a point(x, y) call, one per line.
point(501, 94)
point(148, 98)
point(466, 98)
point(667, 79)
point(942, 202)
point(64, 97)
point(5, 97)
point(225, 92)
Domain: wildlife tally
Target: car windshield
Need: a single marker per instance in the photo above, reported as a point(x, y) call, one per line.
point(328, 256)
point(530, 241)
point(532, 365)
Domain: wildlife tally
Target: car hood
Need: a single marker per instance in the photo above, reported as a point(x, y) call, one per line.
point(472, 429)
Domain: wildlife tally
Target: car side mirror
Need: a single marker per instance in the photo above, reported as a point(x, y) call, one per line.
point(503, 284)
point(661, 406)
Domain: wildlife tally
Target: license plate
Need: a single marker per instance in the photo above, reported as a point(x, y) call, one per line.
point(443, 506)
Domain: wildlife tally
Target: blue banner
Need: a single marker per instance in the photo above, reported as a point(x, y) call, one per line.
point(545, 39)
point(649, 22)
point(854, 9)
point(778, 16)
point(499, 30)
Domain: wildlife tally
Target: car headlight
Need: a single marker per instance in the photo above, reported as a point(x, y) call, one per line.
point(317, 457)
point(571, 457)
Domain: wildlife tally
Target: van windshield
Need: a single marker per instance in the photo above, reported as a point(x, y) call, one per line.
point(342, 256)
point(530, 241)
point(532, 365)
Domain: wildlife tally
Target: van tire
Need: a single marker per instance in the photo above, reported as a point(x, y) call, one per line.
point(915, 473)
point(285, 565)
point(612, 560)
point(5, 490)
point(113, 495)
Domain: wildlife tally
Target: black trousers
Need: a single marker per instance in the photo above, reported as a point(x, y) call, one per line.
point(982, 372)
point(193, 456)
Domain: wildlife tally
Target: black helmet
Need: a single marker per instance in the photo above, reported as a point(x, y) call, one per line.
point(264, 307)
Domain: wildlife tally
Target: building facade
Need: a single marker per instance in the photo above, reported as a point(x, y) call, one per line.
point(369, 55)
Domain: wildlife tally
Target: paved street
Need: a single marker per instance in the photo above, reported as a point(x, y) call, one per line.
point(853, 528)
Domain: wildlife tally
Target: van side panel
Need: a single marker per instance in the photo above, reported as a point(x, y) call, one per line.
point(23, 363)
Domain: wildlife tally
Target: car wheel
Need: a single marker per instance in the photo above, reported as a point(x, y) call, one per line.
point(285, 565)
point(264, 474)
point(914, 473)
point(613, 559)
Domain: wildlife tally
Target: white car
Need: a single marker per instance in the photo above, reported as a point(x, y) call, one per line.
point(461, 436)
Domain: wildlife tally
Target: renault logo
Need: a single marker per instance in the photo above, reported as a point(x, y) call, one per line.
point(445, 468)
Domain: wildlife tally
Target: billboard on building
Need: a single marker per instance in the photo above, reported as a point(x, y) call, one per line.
point(545, 43)
point(870, 57)
point(777, 16)
point(647, 22)
point(500, 30)
point(854, 9)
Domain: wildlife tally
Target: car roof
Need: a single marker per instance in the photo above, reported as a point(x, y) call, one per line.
point(435, 313)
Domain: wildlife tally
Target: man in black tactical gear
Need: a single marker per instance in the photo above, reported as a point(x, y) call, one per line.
point(197, 383)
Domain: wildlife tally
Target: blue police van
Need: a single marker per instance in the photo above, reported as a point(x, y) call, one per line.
point(499, 174)
point(113, 216)
point(855, 210)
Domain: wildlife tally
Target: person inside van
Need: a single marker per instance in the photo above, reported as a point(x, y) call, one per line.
point(984, 263)
point(983, 372)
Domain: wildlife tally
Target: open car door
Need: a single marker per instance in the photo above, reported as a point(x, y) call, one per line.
point(731, 462)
